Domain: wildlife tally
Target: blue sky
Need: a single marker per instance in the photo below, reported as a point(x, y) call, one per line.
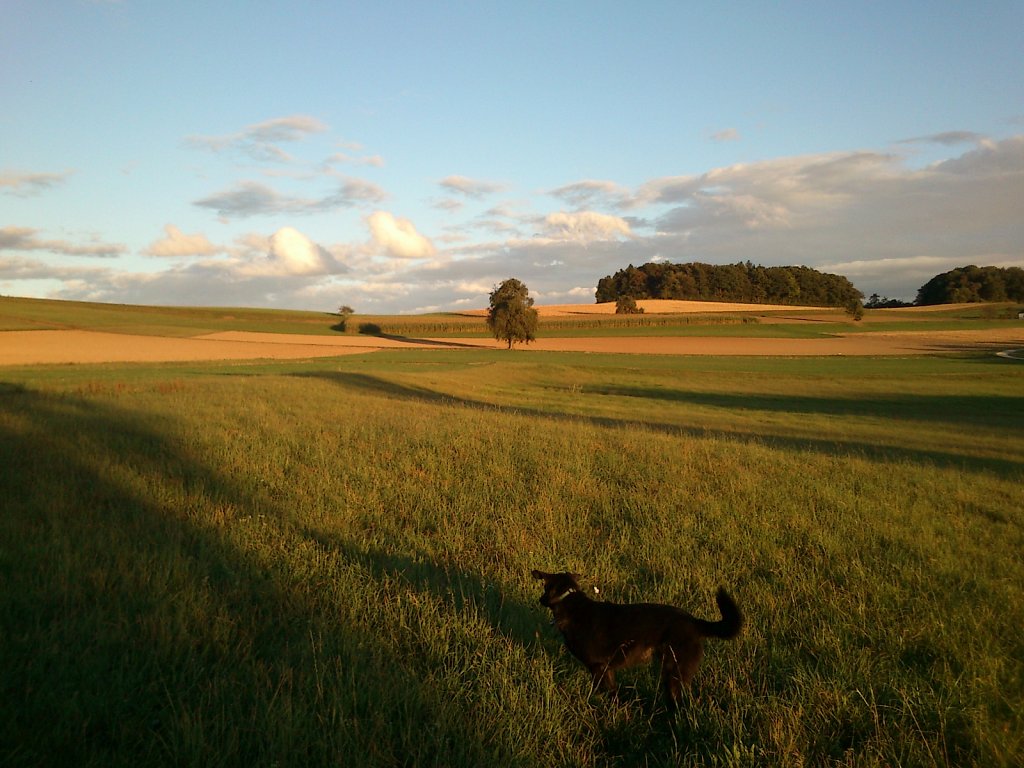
point(407, 157)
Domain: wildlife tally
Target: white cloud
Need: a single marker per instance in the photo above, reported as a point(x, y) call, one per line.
point(354, 191)
point(902, 276)
point(28, 184)
point(448, 204)
point(259, 141)
point(472, 188)
point(286, 253)
point(665, 189)
point(341, 158)
point(728, 134)
point(585, 227)
point(250, 198)
point(285, 269)
point(896, 277)
point(910, 264)
point(292, 128)
point(176, 243)
point(297, 254)
point(991, 158)
point(398, 237)
point(946, 138)
point(591, 192)
point(25, 239)
point(15, 268)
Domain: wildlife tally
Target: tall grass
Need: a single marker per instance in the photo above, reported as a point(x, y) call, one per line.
point(327, 563)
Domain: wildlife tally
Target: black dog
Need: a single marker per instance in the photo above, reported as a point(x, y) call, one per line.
point(611, 636)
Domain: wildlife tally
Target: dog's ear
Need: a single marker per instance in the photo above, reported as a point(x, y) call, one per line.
point(539, 574)
point(575, 579)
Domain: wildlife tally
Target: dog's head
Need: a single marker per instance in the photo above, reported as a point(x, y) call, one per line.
point(557, 587)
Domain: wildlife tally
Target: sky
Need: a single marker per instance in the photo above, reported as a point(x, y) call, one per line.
point(406, 157)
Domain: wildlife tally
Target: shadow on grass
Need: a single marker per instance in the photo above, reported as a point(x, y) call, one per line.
point(457, 589)
point(959, 411)
point(956, 410)
point(440, 343)
point(139, 631)
point(380, 386)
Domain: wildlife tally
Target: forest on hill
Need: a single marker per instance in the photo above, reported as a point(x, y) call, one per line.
point(750, 283)
point(973, 284)
point(743, 282)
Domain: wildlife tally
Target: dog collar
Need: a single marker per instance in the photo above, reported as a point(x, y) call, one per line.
point(561, 597)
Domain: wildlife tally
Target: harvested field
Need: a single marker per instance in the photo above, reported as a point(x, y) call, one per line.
point(54, 347)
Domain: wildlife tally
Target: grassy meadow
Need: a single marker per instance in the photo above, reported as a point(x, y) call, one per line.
point(327, 562)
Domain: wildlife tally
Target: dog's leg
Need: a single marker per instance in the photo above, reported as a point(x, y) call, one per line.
point(604, 679)
point(670, 676)
point(679, 662)
point(689, 659)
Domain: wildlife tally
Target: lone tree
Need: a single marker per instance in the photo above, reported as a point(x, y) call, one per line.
point(344, 312)
point(511, 316)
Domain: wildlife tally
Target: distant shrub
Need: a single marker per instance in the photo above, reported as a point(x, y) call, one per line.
point(370, 329)
point(884, 302)
point(626, 305)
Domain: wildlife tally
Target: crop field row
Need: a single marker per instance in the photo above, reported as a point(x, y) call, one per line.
point(322, 563)
point(18, 314)
point(40, 314)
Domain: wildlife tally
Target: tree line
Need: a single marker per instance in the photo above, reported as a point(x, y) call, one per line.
point(743, 282)
point(973, 284)
point(749, 283)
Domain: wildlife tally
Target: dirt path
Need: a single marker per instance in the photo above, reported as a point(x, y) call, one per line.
point(63, 347)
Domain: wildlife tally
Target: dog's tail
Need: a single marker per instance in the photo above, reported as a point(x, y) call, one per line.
point(731, 622)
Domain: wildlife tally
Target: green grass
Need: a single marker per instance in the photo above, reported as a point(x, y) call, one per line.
point(18, 314)
point(324, 563)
